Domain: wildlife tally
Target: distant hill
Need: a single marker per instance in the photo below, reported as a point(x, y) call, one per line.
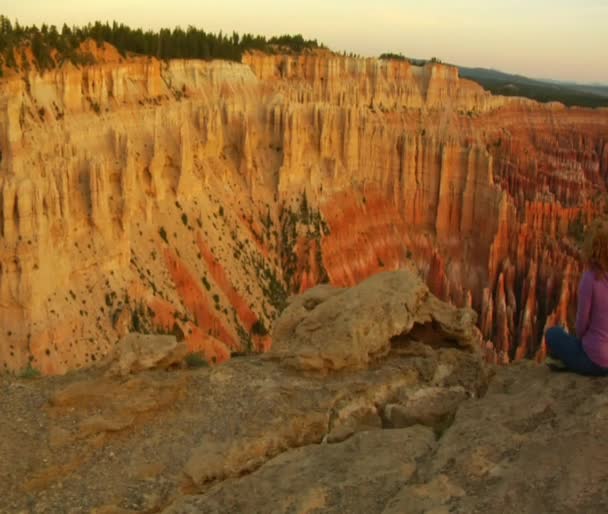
point(500, 83)
point(596, 89)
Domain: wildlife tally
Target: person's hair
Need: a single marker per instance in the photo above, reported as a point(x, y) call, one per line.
point(595, 248)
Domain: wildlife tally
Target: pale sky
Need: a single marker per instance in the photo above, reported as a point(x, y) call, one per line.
point(559, 39)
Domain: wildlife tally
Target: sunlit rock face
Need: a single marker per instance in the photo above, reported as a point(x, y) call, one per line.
point(191, 197)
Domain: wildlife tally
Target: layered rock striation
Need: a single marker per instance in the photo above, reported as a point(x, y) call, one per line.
point(193, 197)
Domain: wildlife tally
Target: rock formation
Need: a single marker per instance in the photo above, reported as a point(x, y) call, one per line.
point(191, 198)
point(328, 328)
point(137, 352)
point(412, 423)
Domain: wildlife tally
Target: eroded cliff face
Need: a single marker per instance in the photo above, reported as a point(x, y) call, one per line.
point(191, 197)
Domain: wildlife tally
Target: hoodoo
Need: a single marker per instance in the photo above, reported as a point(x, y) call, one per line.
point(192, 197)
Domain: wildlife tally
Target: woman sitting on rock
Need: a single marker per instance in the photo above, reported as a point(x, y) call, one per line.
point(587, 354)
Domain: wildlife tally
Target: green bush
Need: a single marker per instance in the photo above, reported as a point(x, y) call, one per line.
point(259, 328)
point(163, 233)
point(29, 372)
point(195, 360)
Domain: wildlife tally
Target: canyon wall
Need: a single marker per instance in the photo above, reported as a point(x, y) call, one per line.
point(193, 197)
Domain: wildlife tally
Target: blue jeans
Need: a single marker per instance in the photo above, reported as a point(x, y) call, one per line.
point(569, 350)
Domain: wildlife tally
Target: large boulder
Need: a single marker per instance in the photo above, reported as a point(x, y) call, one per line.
point(329, 328)
point(138, 352)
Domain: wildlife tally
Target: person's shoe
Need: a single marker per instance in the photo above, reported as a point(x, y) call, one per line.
point(555, 364)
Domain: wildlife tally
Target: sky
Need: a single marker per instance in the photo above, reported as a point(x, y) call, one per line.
point(557, 39)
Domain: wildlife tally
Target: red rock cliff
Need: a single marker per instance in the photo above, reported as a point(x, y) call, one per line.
point(186, 196)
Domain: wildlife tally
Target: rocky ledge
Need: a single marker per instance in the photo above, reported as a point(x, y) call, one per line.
point(374, 400)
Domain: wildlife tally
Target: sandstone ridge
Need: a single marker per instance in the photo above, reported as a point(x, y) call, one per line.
point(419, 428)
point(193, 197)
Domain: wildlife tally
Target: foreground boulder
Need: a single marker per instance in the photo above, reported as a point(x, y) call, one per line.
point(329, 328)
point(137, 352)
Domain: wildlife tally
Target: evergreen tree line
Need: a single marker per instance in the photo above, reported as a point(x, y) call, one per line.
point(389, 56)
point(192, 43)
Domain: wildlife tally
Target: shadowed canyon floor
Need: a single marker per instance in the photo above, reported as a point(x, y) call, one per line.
point(375, 400)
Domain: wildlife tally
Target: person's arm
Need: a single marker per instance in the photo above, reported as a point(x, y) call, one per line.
point(585, 293)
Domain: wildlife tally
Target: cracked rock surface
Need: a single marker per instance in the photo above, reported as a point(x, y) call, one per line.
point(415, 427)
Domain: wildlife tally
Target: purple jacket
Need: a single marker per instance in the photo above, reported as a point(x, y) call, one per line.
point(592, 317)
